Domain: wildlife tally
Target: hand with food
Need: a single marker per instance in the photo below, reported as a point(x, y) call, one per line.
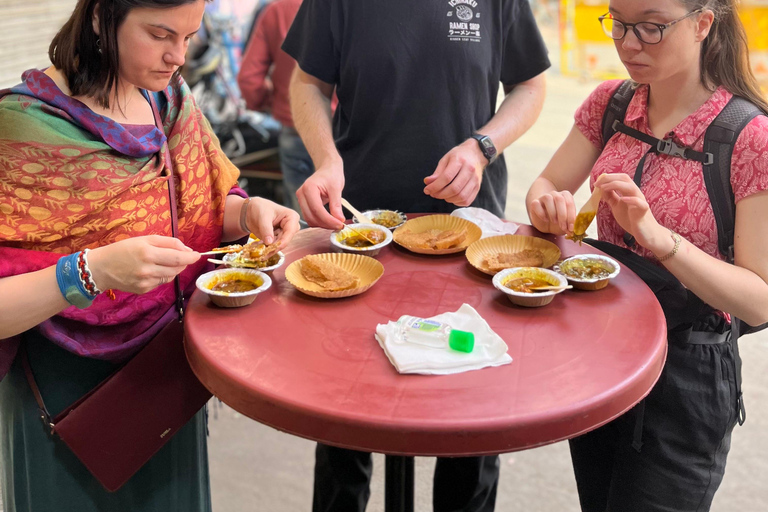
point(631, 210)
point(323, 188)
point(458, 175)
point(271, 222)
point(553, 212)
point(140, 264)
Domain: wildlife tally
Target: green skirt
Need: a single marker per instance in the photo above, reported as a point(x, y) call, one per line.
point(39, 472)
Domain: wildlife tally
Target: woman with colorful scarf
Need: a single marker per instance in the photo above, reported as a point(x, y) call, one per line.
point(83, 167)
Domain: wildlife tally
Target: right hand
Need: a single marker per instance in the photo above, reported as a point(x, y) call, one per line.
point(140, 264)
point(553, 212)
point(323, 187)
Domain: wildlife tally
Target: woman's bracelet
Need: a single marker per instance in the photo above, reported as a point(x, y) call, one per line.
point(70, 283)
point(678, 239)
point(244, 216)
point(85, 274)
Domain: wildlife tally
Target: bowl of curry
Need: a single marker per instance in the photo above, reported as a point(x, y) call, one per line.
point(368, 239)
point(233, 287)
point(521, 285)
point(589, 271)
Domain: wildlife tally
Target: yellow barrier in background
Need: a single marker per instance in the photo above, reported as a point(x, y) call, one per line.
point(585, 50)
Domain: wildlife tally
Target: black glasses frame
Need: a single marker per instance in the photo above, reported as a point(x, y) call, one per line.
point(661, 26)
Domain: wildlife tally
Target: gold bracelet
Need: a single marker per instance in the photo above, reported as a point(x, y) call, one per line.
point(678, 239)
point(244, 215)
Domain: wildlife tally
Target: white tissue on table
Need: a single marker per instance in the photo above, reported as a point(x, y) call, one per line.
point(489, 349)
point(488, 222)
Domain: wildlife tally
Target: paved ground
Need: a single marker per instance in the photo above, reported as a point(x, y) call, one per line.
point(255, 468)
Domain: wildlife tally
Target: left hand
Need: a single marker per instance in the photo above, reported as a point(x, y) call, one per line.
point(458, 175)
point(630, 208)
point(272, 222)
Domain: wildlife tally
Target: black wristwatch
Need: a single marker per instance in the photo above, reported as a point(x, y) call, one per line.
point(486, 146)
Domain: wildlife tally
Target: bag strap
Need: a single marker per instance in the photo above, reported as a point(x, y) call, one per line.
point(617, 108)
point(165, 150)
point(719, 140)
point(45, 415)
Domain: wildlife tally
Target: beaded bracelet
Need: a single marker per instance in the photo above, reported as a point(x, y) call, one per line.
point(85, 274)
point(70, 284)
point(678, 239)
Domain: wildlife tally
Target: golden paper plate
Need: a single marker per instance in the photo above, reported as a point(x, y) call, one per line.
point(366, 268)
point(443, 223)
point(480, 251)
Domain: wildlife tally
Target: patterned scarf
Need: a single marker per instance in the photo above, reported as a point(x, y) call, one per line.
point(71, 179)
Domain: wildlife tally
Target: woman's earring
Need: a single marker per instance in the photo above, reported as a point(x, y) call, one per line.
point(98, 45)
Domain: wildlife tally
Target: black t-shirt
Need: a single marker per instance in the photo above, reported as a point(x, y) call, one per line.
point(414, 79)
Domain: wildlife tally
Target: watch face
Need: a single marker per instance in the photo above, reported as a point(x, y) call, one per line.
point(488, 148)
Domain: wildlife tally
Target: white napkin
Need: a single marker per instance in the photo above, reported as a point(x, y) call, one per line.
point(488, 222)
point(489, 350)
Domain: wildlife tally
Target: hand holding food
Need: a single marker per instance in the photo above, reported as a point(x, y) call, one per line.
point(140, 264)
point(630, 209)
point(553, 212)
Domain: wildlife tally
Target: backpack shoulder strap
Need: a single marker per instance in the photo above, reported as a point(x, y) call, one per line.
point(720, 139)
point(617, 108)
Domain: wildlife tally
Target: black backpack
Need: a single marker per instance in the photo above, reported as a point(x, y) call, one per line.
point(719, 140)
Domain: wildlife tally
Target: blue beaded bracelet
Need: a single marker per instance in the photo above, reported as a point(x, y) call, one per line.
point(70, 284)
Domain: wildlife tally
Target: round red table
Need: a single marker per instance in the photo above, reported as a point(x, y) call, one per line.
point(312, 367)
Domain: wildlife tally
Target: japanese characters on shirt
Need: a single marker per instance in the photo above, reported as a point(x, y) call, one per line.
point(674, 188)
point(463, 21)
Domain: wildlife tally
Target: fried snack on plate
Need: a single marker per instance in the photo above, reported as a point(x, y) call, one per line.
point(434, 238)
point(258, 251)
point(524, 258)
point(327, 274)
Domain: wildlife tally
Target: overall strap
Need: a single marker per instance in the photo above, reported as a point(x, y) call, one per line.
point(719, 140)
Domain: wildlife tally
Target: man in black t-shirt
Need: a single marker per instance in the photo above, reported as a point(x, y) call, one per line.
point(417, 130)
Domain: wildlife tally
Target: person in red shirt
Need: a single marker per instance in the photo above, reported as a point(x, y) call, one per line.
point(265, 73)
point(688, 58)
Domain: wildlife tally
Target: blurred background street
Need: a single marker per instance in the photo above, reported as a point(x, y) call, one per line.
point(256, 468)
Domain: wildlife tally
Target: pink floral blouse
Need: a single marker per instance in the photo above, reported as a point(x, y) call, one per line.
point(673, 187)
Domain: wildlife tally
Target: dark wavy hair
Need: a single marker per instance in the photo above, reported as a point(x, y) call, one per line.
point(91, 62)
point(724, 56)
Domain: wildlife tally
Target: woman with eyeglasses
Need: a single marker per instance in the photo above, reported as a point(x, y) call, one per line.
point(687, 59)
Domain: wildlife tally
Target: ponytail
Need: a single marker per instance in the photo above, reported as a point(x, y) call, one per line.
point(725, 54)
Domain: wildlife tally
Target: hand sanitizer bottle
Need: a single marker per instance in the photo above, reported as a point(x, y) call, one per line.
point(434, 334)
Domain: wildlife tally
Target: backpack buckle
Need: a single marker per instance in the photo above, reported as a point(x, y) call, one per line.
point(709, 159)
point(670, 148)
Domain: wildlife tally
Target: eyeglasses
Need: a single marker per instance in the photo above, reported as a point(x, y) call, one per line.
point(646, 31)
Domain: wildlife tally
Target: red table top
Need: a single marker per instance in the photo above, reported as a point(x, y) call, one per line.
point(312, 367)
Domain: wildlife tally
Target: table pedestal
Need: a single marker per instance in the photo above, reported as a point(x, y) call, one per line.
point(398, 484)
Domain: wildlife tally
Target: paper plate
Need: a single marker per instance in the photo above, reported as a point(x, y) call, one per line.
point(366, 268)
point(443, 223)
point(480, 251)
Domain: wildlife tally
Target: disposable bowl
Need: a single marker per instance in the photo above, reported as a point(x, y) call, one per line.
point(210, 279)
point(337, 238)
point(573, 262)
point(530, 300)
